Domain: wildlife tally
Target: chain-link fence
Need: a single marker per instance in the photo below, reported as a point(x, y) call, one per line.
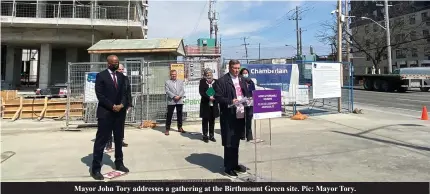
point(147, 81)
point(296, 84)
point(81, 97)
point(190, 71)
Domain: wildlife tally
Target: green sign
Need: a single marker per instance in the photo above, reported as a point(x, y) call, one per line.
point(210, 91)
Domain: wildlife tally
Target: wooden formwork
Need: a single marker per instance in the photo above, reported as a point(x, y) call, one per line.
point(40, 108)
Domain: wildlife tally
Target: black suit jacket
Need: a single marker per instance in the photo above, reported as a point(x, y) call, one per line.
point(205, 110)
point(108, 95)
point(225, 93)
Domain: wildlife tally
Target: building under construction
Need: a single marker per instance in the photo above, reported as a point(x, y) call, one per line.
point(39, 38)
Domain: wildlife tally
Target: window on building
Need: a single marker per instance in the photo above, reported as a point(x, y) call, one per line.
point(413, 35)
point(427, 51)
point(414, 52)
point(424, 16)
point(400, 54)
point(412, 19)
point(426, 34)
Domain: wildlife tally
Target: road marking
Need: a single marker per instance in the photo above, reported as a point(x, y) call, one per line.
point(412, 100)
point(388, 112)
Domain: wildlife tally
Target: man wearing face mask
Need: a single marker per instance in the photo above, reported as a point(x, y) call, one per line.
point(111, 93)
point(124, 111)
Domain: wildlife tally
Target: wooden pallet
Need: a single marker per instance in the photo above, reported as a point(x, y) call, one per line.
point(40, 108)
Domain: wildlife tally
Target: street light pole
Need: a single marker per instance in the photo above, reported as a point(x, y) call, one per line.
point(339, 48)
point(387, 30)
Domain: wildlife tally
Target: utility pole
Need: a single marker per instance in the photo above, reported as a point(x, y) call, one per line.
point(259, 51)
point(300, 42)
point(339, 48)
point(213, 21)
point(297, 18)
point(348, 58)
point(246, 48)
point(387, 26)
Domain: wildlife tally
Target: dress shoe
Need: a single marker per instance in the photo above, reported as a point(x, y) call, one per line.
point(124, 144)
point(97, 176)
point(181, 130)
point(212, 139)
point(240, 169)
point(205, 139)
point(121, 167)
point(167, 132)
point(231, 173)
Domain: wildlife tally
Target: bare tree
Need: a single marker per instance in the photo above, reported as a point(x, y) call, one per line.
point(373, 44)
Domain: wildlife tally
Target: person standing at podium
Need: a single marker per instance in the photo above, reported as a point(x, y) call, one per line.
point(229, 90)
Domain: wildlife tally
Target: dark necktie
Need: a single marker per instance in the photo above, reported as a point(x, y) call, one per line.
point(114, 80)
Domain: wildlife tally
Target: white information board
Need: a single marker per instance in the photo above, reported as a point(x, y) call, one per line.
point(90, 83)
point(326, 80)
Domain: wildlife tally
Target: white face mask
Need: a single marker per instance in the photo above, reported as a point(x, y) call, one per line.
point(245, 75)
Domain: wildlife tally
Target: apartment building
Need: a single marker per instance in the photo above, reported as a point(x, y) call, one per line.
point(39, 38)
point(410, 38)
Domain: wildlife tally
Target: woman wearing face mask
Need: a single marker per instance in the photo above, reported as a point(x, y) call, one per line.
point(249, 109)
point(208, 106)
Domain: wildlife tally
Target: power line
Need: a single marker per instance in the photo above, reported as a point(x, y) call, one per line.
point(246, 49)
point(198, 21)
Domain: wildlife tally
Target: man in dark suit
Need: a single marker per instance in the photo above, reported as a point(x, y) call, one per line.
point(231, 88)
point(111, 93)
point(124, 111)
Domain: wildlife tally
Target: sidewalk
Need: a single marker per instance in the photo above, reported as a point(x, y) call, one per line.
point(339, 147)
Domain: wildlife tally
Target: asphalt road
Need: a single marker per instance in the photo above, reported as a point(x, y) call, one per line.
point(409, 101)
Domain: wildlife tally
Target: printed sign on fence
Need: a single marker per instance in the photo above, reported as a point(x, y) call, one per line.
point(271, 76)
point(180, 70)
point(90, 84)
point(267, 104)
point(326, 80)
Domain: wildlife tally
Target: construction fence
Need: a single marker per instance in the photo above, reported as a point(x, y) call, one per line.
point(147, 85)
point(297, 85)
point(149, 96)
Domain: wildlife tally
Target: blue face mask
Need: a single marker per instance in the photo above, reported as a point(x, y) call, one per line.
point(245, 75)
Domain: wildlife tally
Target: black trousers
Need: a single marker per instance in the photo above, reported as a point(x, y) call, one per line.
point(123, 115)
point(170, 109)
point(231, 153)
point(231, 158)
point(104, 133)
point(208, 125)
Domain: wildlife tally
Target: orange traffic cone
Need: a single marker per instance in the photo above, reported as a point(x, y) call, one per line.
point(424, 115)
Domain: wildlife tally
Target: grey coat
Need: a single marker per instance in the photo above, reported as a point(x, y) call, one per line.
point(172, 91)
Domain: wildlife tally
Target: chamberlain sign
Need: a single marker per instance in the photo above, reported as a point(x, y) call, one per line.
point(271, 76)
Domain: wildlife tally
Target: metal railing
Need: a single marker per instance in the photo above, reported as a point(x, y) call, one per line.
point(51, 10)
